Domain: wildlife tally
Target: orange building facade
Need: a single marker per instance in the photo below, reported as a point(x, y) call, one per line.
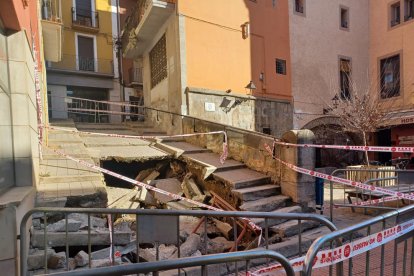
point(224, 61)
point(392, 69)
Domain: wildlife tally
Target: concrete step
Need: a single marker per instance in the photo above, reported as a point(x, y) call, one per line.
point(254, 193)
point(272, 222)
point(209, 159)
point(291, 227)
point(266, 204)
point(70, 178)
point(242, 178)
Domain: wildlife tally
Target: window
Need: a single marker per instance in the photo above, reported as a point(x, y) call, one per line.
point(281, 66)
point(84, 14)
point(390, 77)
point(408, 9)
point(158, 62)
point(344, 15)
point(86, 53)
point(345, 78)
point(395, 14)
point(300, 6)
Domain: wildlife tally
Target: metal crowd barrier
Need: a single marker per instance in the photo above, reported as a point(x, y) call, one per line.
point(396, 176)
point(202, 262)
point(140, 214)
point(387, 259)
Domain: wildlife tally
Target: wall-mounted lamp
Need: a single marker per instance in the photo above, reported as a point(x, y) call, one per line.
point(250, 87)
point(245, 28)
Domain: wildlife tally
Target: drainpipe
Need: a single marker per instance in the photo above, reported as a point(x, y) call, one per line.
point(119, 53)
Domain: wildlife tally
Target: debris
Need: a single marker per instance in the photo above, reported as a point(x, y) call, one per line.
point(165, 252)
point(36, 223)
point(105, 253)
point(95, 221)
point(57, 260)
point(60, 226)
point(176, 170)
point(144, 196)
point(224, 228)
point(35, 259)
point(219, 245)
point(143, 174)
point(82, 258)
point(122, 198)
point(190, 246)
point(171, 185)
point(72, 263)
point(151, 177)
point(103, 263)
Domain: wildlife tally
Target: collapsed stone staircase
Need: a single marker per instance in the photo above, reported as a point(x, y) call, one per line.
point(252, 191)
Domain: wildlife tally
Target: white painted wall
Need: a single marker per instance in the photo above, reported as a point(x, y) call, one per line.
point(316, 42)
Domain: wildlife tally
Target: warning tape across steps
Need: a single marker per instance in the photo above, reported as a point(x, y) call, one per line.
point(344, 181)
point(223, 155)
point(341, 253)
point(355, 148)
point(148, 187)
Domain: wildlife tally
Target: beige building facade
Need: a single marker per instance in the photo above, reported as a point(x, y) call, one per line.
point(322, 35)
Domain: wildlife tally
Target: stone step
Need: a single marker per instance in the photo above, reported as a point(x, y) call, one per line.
point(266, 204)
point(291, 227)
point(212, 161)
point(253, 193)
point(242, 178)
point(272, 222)
point(185, 147)
point(70, 178)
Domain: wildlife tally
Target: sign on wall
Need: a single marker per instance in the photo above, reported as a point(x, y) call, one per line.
point(211, 107)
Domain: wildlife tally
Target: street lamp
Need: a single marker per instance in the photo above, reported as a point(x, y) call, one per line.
point(250, 86)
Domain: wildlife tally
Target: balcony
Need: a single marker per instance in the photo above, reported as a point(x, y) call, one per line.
point(83, 65)
point(135, 77)
point(52, 28)
point(85, 20)
point(145, 20)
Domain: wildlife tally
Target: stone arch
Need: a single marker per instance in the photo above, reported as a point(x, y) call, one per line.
point(328, 131)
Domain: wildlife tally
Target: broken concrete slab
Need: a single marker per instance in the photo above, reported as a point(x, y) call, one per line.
point(171, 185)
point(152, 176)
point(80, 238)
point(104, 263)
point(82, 258)
point(57, 260)
point(60, 226)
point(106, 252)
point(35, 259)
point(143, 174)
point(190, 246)
point(144, 196)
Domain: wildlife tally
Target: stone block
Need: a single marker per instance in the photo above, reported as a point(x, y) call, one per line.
point(36, 258)
point(219, 245)
point(60, 226)
point(95, 221)
point(165, 253)
point(144, 196)
point(171, 185)
point(57, 260)
point(224, 228)
point(82, 258)
point(190, 246)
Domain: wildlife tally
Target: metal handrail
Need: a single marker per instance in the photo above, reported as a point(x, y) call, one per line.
point(186, 262)
point(331, 204)
point(195, 213)
point(319, 243)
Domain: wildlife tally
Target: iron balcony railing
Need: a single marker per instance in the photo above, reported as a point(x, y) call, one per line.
point(85, 18)
point(84, 64)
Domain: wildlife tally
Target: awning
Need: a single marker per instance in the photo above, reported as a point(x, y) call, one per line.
point(402, 117)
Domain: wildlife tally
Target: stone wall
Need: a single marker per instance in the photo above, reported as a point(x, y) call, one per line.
point(247, 112)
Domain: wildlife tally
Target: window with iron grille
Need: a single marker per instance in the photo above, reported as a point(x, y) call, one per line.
point(158, 62)
point(280, 66)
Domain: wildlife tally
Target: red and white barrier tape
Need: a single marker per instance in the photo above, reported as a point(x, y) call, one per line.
point(223, 155)
point(148, 187)
point(348, 182)
point(355, 148)
point(341, 253)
